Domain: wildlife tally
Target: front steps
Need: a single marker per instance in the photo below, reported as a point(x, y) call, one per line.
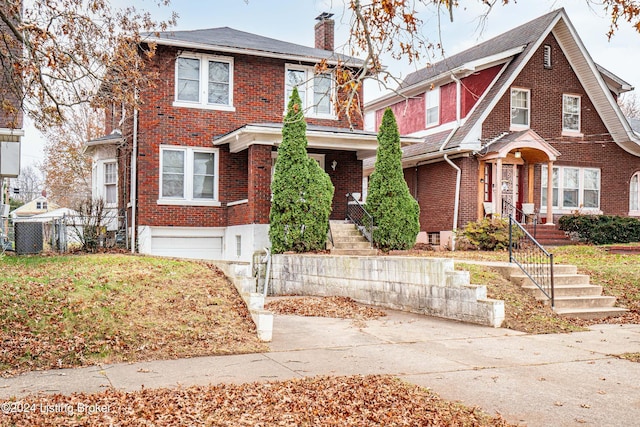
point(549, 235)
point(347, 240)
point(574, 295)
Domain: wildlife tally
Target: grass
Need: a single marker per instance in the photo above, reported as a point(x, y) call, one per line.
point(67, 311)
point(619, 275)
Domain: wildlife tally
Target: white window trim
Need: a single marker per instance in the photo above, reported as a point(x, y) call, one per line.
point(203, 94)
point(634, 212)
point(569, 210)
point(515, 126)
point(104, 181)
point(188, 199)
point(436, 93)
point(308, 81)
point(572, 132)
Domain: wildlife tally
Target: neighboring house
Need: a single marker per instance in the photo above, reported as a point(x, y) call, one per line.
point(11, 131)
point(37, 206)
point(503, 119)
point(194, 171)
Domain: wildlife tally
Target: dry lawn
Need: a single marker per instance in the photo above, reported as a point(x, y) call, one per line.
point(321, 401)
point(68, 311)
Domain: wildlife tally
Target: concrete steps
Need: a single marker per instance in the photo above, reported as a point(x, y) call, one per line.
point(574, 295)
point(347, 240)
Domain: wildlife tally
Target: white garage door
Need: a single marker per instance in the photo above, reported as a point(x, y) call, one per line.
point(198, 247)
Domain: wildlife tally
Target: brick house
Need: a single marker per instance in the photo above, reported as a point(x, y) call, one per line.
point(11, 122)
point(501, 120)
point(194, 168)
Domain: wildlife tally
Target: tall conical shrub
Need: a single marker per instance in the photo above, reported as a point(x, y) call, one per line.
point(302, 191)
point(395, 212)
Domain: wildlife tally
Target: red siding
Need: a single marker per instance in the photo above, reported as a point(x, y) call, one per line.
point(474, 86)
point(410, 115)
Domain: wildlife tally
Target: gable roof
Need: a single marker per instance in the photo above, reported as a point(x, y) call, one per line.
point(229, 40)
point(515, 48)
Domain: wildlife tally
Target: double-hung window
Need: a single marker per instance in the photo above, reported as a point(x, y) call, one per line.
point(520, 108)
point(573, 188)
point(188, 175)
point(634, 195)
point(433, 107)
point(110, 183)
point(204, 81)
point(570, 113)
point(315, 90)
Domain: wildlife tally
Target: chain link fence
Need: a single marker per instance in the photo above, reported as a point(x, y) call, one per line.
point(66, 233)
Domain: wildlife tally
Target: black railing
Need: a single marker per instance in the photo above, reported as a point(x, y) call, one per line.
point(534, 261)
point(357, 214)
point(508, 209)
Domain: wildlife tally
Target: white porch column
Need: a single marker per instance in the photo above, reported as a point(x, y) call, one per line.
point(550, 193)
point(497, 203)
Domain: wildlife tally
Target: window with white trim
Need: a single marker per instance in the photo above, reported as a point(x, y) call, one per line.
point(315, 90)
point(188, 174)
point(110, 183)
point(634, 195)
point(571, 113)
point(204, 81)
point(520, 107)
point(433, 106)
point(573, 188)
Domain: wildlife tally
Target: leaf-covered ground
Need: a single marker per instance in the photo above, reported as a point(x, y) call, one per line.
point(321, 401)
point(68, 311)
point(336, 307)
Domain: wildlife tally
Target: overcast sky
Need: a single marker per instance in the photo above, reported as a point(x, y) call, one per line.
point(293, 20)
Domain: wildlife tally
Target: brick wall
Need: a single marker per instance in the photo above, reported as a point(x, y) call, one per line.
point(258, 96)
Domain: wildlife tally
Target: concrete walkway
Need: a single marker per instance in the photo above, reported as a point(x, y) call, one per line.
point(537, 380)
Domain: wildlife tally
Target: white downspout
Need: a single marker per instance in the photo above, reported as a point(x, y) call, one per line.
point(134, 183)
point(456, 205)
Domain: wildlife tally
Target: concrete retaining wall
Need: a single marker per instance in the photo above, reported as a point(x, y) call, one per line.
point(421, 285)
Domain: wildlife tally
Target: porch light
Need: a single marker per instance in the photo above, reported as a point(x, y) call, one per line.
point(518, 154)
point(334, 164)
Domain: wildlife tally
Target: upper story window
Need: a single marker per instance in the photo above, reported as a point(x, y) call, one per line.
point(570, 113)
point(315, 90)
point(110, 183)
point(573, 188)
point(433, 106)
point(188, 176)
point(520, 107)
point(547, 56)
point(204, 81)
point(41, 205)
point(634, 195)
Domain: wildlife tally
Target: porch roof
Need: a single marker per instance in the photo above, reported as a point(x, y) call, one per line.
point(532, 146)
point(322, 137)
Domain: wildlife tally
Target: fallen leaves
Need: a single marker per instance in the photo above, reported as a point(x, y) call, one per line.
point(59, 312)
point(335, 307)
point(328, 401)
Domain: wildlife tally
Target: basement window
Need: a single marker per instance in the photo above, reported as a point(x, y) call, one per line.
point(434, 238)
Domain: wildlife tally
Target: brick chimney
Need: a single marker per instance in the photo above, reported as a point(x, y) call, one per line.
point(324, 30)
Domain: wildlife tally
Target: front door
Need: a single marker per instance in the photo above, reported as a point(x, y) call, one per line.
point(510, 188)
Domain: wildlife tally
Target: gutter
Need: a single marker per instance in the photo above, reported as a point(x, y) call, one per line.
point(134, 182)
point(456, 205)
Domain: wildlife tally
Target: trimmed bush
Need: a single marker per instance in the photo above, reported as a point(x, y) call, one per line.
point(302, 191)
point(396, 214)
point(601, 229)
point(489, 234)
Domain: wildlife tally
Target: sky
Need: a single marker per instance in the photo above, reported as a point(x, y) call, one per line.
point(293, 20)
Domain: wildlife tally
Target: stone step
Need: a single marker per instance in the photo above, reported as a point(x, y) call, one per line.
point(558, 279)
point(349, 239)
point(584, 302)
point(354, 252)
point(591, 313)
point(352, 245)
point(566, 290)
point(346, 234)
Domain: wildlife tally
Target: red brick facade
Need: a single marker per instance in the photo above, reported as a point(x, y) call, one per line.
point(258, 97)
point(433, 184)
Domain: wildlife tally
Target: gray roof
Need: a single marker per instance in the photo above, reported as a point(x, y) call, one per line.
point(635, 124)
point(519, 36)
point(225, 39)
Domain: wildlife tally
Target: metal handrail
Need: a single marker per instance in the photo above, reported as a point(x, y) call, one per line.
point(363, 220)
point(532, 258)
point(508, 208)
